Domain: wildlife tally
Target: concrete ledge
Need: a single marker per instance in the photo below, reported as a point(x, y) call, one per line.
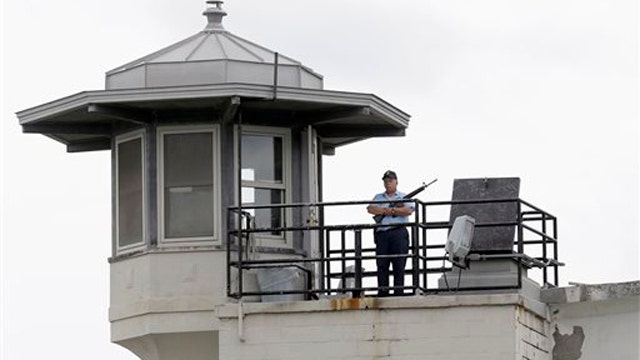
point(163, 323)
point(582, 293)
point(173, 249)
point(162, 305)
point(415, 302)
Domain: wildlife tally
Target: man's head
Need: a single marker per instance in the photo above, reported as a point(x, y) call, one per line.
point(390, 174)
point(390, 180)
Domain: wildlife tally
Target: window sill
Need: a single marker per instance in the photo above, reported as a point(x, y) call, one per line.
point(165, 250)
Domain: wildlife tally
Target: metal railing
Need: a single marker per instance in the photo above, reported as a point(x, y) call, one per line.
point(344, 262)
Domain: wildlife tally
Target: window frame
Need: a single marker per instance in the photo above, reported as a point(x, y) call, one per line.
point(137, 134)
point(264, 239)
point(216, 239)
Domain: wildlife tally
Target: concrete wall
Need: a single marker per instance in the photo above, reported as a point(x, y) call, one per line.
point(162, 303)
point(170, 304)
point(490, 327)
point(593, 322)
point(532, 336)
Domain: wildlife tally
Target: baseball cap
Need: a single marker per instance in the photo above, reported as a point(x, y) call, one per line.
point(389, 174)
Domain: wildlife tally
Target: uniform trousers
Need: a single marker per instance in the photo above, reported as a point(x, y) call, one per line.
point(394, 241)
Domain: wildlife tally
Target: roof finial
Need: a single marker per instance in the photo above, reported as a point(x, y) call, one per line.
point(214, 15)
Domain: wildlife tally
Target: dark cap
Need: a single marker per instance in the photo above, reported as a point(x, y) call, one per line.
point(390, 174)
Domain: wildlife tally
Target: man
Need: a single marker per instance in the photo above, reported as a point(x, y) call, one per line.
point(392, 239)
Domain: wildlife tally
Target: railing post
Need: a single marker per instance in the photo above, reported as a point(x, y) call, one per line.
point(555, 251)
point(358, 263)
point(240, 251)
point(520, 243)
point(323, 253)
point(544, 248)
point(424, 247)
point(415, 268)
point(228, 253)
point(343, 262)
point(327, 262)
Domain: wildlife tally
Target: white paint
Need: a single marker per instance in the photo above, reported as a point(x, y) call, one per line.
point(494, 327)
point(166, 292)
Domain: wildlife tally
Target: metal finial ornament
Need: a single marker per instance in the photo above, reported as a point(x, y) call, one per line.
point(214, 15)
point(217, 3)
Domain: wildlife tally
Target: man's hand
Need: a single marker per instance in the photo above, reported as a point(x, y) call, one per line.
point(378, 210)
point(402, 210)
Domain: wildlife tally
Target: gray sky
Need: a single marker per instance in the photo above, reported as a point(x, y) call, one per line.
point(539, 89)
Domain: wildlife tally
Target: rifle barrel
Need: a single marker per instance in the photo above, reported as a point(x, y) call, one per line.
point(418, 190)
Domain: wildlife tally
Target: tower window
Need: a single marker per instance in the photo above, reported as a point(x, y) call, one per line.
point(265, 164)
point(187, 184)
point(130, 191)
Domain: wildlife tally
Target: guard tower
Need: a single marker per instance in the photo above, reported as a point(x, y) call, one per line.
point(211, 122)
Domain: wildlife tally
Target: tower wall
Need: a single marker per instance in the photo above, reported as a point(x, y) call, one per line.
point(498, 326)
point(162, 303)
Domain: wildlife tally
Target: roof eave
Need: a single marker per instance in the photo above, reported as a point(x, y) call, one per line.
point(52, 109)
point(57, 118)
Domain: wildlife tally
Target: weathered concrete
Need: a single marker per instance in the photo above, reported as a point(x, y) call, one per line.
point(487, 326)
point(582, 293)
point(162, 302)
point(194, 345)
point(492, 273)
point(595, 321)
point(170, 303)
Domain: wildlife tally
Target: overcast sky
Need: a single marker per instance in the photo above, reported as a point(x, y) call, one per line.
point(543, 90)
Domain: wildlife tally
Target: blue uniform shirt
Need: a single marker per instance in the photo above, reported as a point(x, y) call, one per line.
point(391, 219)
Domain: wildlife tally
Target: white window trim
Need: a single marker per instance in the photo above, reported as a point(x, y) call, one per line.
point(138, 134)
point(216, 239)
point(261, 238)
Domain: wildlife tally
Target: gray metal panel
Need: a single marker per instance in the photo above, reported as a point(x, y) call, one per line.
point(187, 73)
point(288, 76)
point(227, 175)
point(249, 73)
point(154, 55)
point(253, 64)
point(209, 72)
point(488, 238)
point(207, 49)
point(310, 81)
point(151, 176)
point(235, 48)
point(260, 51)
point(180, 53)
point(114, 211)
point(298, 178)
point(132, 78)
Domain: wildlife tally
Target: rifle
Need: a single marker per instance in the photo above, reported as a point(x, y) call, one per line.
point(378, 218)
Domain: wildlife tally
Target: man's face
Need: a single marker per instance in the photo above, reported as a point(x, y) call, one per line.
point(390, 185)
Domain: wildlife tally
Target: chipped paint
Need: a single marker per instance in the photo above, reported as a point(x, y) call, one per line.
point(353, 304)
point(568, 346)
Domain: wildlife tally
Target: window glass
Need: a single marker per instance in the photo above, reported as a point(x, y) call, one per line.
point(263, 177)
point(262, 158)
point(264, 218)
point(129, 192)
point(188, 185)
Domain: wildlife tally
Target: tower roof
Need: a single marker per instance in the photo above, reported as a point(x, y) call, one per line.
point(210, 76)
point(213, 56)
